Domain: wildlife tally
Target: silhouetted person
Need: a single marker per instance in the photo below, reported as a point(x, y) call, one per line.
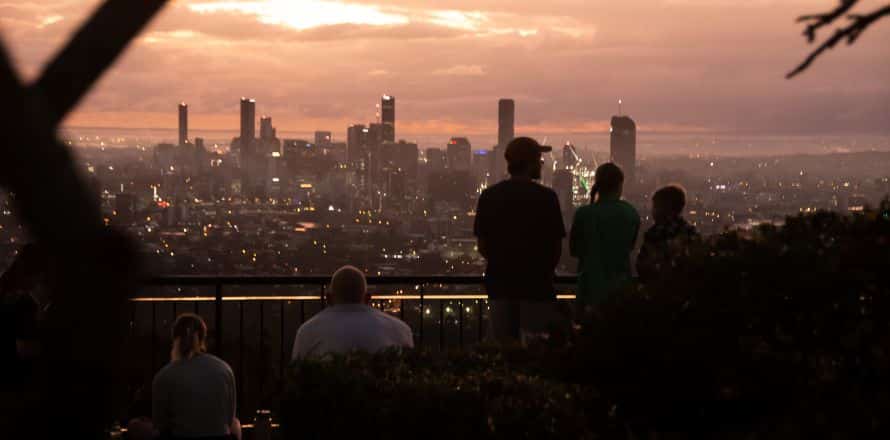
point(520, 231)
point(349, 323)
point(194, 395)
point(603, 235)
point(669, 237)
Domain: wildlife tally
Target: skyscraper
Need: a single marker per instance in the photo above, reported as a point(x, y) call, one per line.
point(435, 159)
point(623, 145)
point(459, 154)
point(246, 143)
point(323, 139)
point(388, 117)
point(356, 144)
point(506, 119)
point(405, 160)
point(267, 132)
point(248, 118)
point(183, 123)
point(481, 166)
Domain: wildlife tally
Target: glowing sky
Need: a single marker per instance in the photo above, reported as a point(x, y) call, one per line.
point(711, 65)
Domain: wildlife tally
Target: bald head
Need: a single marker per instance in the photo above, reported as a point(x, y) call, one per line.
point(348, 286)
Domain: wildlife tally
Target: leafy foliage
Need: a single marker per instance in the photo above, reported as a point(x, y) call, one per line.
point(473, 394)
point(783, 332)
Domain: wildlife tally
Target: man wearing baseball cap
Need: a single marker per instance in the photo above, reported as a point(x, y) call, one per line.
point(520, 231)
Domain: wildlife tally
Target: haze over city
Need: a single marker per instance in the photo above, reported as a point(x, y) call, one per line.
point(680, 66)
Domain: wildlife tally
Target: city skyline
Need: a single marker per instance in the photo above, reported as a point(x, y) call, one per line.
point(566, 63)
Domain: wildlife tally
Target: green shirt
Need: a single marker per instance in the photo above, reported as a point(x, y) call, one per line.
point(603, 235)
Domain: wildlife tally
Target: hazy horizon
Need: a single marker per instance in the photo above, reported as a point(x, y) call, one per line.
point(681, 66)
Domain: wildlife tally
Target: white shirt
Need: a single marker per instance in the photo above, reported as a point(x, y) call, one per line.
point(348, 327)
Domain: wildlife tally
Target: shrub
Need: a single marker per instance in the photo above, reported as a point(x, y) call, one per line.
point(783, 333)
point(787, 328)
point(471, 394)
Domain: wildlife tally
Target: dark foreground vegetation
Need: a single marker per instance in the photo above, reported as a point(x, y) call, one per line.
point(781, 333)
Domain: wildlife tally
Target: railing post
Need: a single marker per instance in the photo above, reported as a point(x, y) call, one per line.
point(240, 385)
point(218, 301)
point(281, 344)
point(441, 325)
point(262, 356)
point(479, 325)
point(460, 318)
point(154, 334)
point(422, 315)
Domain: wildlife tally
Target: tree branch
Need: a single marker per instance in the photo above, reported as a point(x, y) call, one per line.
point(820, 20)
point(857, 25)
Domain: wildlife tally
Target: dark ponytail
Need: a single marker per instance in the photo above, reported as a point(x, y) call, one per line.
point(608, 180)
point(593, 192)
point(189, 336)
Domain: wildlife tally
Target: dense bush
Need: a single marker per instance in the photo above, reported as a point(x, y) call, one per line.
point(786, 332)
point(779, 333)
point(472, 394)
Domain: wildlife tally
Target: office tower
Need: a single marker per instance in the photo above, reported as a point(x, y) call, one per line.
point(183, 123)
point(481, 166)
point(323, 139)
point(459, 154)
point(562, 185)
point(623, 146)
point(269, 142)
point(388, 118)
point(498, 164)
point(506, 119)
point(267, 132)
point(248, 122)
point(356, 144)
point(246, 143)
point(435, 160)
point(406, 157)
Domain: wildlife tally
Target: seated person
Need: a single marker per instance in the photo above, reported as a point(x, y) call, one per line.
point(349, 323)
point(668, 237)
point(194, 395)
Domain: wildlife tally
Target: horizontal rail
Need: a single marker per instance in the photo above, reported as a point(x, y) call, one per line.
point(316, 298)
point(263, 280)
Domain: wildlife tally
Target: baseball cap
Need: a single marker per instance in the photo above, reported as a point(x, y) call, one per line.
point(525, 149)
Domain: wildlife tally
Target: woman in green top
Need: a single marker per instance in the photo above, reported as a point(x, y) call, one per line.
point(603, 235)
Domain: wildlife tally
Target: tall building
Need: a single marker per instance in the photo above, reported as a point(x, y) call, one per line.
point(562, 185)
point(506, 121)
point(268, 142)
point(406, 157)
point(459, 154)
point(248, 121)
point(435, 159)
point(388, 118)
point(323, 139)
point(246, 143)
point(183, 123)
point(356, 143)
point(623, 145)
point(267, 132)
point(481, 166)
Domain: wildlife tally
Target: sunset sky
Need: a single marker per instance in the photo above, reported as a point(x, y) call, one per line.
point(679, 65)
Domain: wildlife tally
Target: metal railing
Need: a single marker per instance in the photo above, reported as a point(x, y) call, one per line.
point(459, 317)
